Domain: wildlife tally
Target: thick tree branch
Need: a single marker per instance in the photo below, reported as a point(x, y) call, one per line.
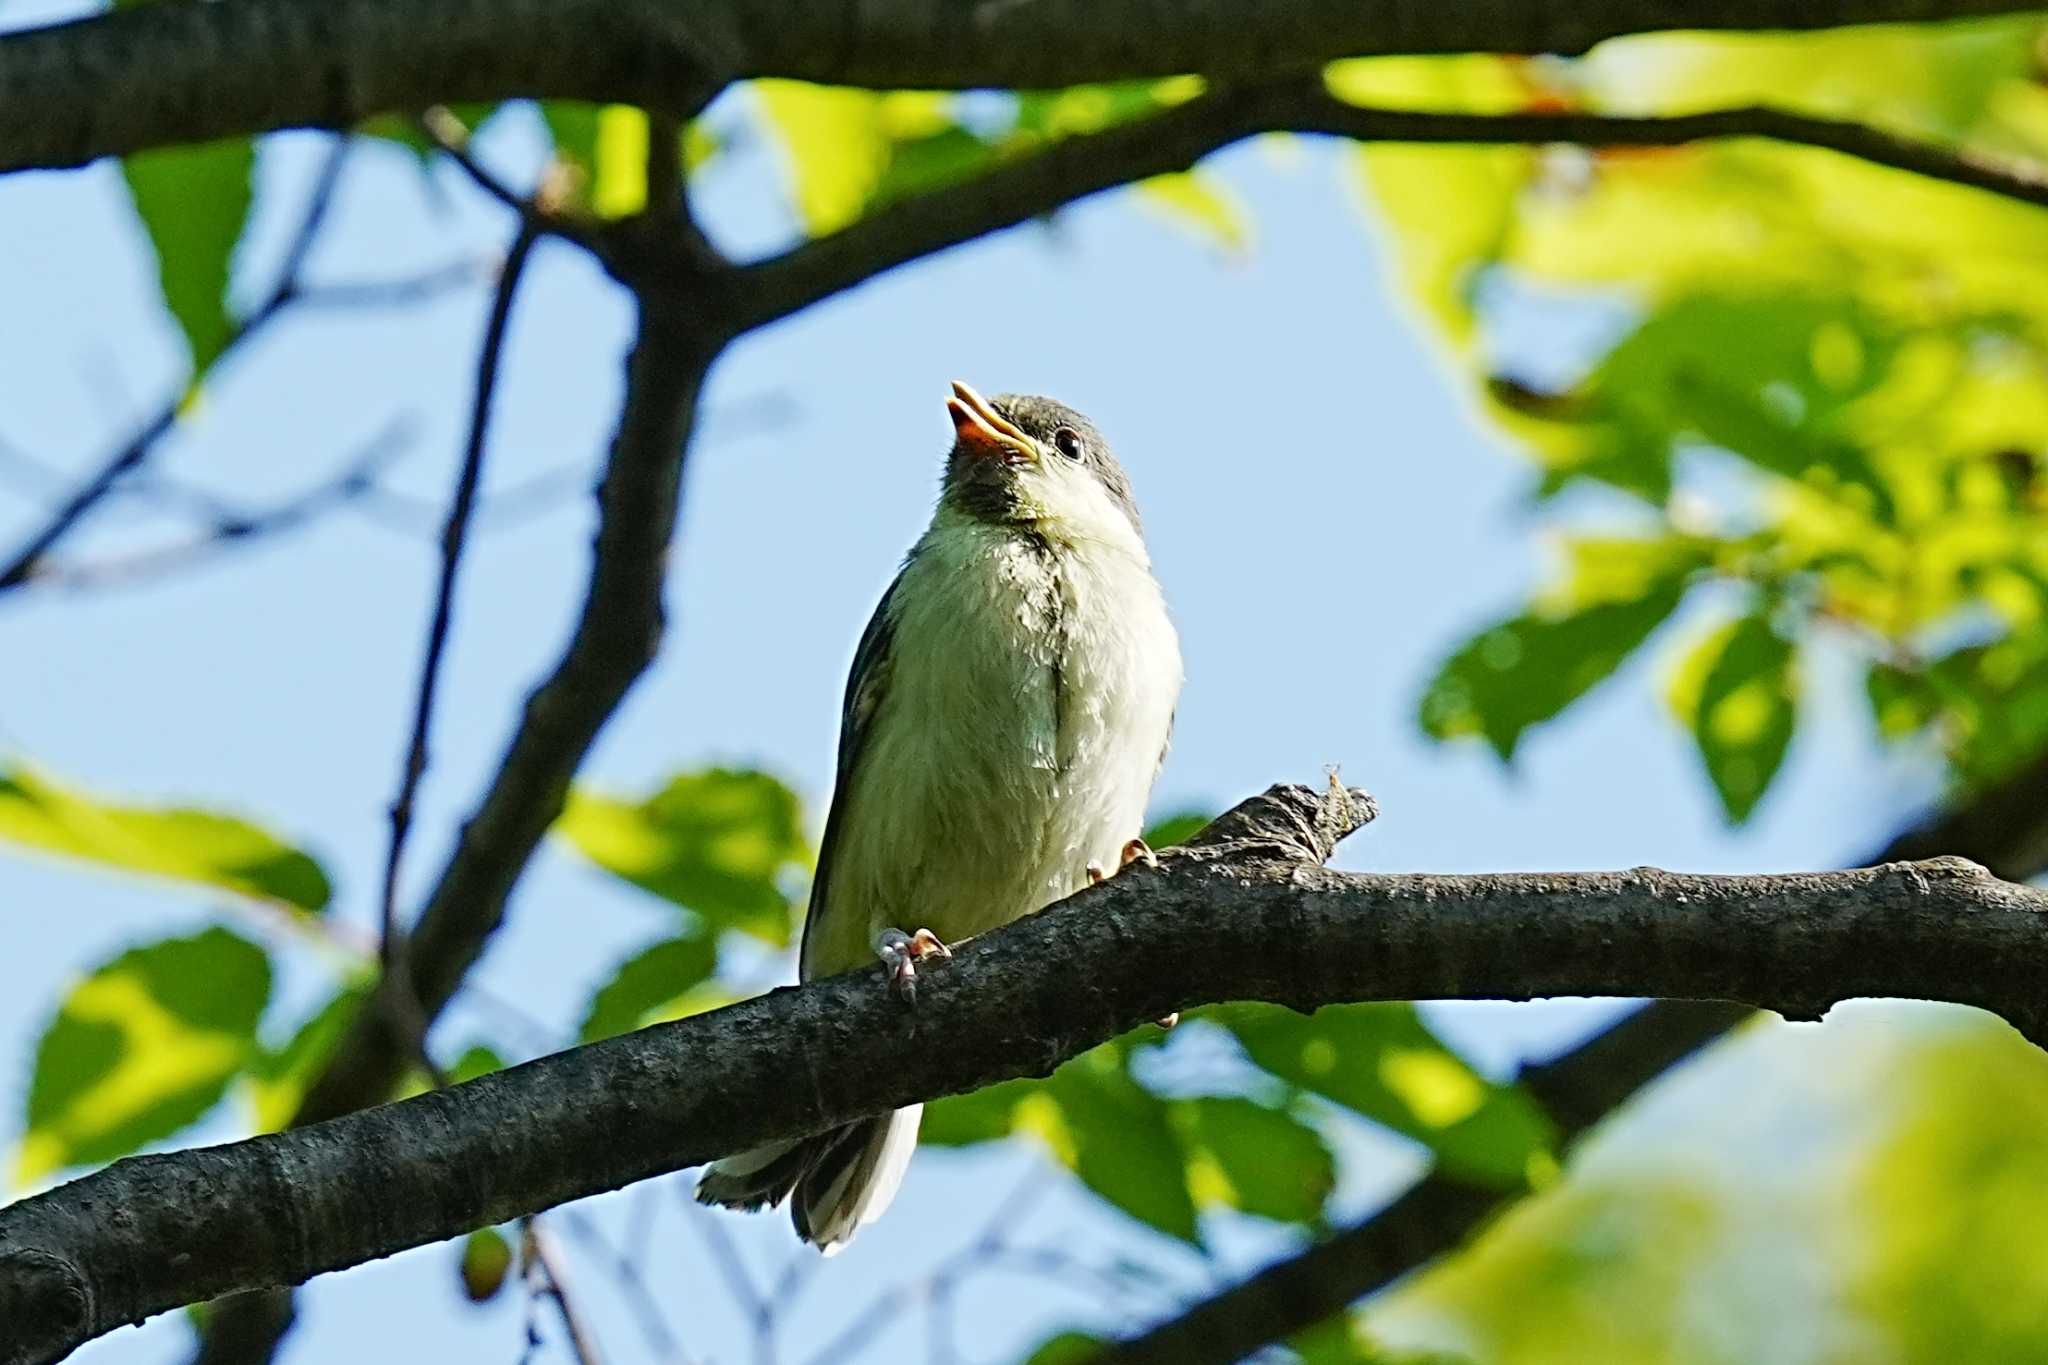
point(1176, 138)
point(153, 75)
point(614, 640)
point(1245, 912)
point(2004, 828)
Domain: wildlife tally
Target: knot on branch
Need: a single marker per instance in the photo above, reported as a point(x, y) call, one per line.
point(1287, 822)
point(45, 1305)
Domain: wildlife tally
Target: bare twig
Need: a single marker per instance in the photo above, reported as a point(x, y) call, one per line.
point(445, 131)
point(546, 1278)
point(233, 529)
point(290, 291)
point(624, 1267)
point(137, 448)
point(453, 535)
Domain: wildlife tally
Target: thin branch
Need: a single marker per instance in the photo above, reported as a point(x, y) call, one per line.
point(290, 291)
point(445, 131)
point(153, 75)
point(136, 450)
point(1174, 139)
point(1243, 912)
point(624, 1268)
point(546, 1279)
point(453, 538)
point(232, 529)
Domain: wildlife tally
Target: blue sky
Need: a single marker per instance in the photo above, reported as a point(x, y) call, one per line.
point(1328, 513)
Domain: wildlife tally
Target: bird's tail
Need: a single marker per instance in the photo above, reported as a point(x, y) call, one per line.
point(841, 1179)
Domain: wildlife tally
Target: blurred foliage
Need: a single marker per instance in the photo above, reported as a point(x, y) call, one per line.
point(1900, 1227)
point(849, 152)
point(486, 1261)
point(197, 847)
point(723, 844)
point(1823, 393)
point(144, 1045)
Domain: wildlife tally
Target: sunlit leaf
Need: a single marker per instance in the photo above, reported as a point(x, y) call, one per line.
point(1119, 1139)
point(650, 985)
point(193, 202)
point(476, 1060)
point(143, 1046)
point(1742, 709)
point(279, 1079)
point(1200, 203)
point(724, 843)
point(1254, 1158)
point(186, 845)
point(1528, 668)
point(1381, 1061)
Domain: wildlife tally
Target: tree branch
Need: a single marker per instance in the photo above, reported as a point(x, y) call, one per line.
point(614, 640)
point(1244, 912)
point(21, 566)
point(154, 75)
point(1176, 138)
point(2004, 828)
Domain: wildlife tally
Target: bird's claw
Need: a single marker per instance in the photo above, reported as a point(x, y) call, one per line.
point(1133, 851)
point(901, 953)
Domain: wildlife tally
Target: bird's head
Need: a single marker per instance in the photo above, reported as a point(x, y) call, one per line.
point(1021, 458)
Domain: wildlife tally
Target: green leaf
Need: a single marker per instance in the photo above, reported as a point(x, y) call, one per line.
point(476, 1060)
point(1118, 1137)
point(1381, 1061)
point(1261, 1160)
point(279, 1078)
point(1068, 1348)
point(1745, 709)
point(486, 1260)
point(145, 1045)
point(722, 843)
point(192, 846)
point(1528, 668)
point(604, 146)
point(1201, 204)
point(837, 144)
point(193, 202)
point(648, 986)
point(1177, 828)
point(984, 1115)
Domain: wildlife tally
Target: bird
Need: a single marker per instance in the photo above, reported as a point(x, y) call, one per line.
point(1008, 709)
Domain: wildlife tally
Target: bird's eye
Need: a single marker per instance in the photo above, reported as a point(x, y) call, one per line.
point(1068, 442)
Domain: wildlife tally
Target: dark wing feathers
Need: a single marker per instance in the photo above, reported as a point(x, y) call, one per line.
point(865, 686)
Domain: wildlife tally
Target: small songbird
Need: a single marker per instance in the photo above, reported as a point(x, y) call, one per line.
point(1008, 709)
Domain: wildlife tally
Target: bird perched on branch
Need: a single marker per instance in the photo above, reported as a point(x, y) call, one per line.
point(1008, 709)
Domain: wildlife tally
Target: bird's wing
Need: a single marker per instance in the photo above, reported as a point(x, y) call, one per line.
point(865, 686)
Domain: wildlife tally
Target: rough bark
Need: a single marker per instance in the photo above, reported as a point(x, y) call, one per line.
point(157, 74)
point(1245, 912)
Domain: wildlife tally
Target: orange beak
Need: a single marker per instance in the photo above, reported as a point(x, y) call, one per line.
point(986, 432)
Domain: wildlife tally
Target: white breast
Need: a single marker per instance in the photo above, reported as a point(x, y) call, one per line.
point(1029, 701)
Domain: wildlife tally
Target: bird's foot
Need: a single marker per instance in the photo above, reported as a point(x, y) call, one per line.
point(1134, 851)
point(901, 953)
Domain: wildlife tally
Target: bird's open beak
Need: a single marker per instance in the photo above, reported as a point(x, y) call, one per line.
point(986, 432)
